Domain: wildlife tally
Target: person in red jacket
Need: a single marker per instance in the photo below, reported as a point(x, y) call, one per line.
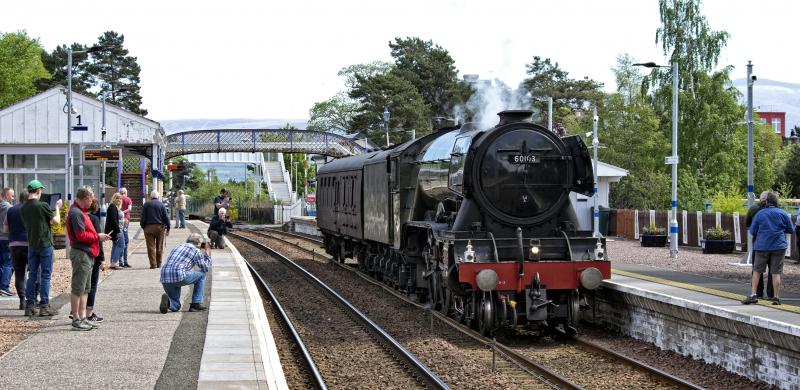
point(84, 247)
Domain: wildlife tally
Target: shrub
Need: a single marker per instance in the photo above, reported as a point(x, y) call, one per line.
point(729, 203)
point(654, 230)
point(61, 227)
point(717, 233)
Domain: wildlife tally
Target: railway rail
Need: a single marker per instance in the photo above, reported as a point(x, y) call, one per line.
point(420, 373)
point(524, 356)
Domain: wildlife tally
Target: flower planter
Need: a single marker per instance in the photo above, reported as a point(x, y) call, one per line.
point(653, 240)
point(59, 241)
point(719, 246)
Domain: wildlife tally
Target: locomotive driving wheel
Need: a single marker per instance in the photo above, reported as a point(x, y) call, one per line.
point(570, 326)
point(485, 314)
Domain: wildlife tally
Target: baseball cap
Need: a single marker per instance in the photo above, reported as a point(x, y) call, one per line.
point(34, 185)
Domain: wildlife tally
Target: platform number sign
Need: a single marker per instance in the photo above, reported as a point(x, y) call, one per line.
point(80, 126)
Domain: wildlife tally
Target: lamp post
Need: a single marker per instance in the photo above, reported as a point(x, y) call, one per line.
point(595, 144)
point(747, 258)
point(70, 157)
point(386, 116)
point(549, 110)
point(673, 160)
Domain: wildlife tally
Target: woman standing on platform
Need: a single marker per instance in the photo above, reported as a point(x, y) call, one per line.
point(114, 221)
point(96, 267)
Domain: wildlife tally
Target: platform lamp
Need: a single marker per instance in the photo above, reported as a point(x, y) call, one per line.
point(70, 112)
point(672, 160)
point(386, 116)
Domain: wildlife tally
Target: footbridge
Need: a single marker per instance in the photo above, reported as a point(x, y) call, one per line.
point(260, 140)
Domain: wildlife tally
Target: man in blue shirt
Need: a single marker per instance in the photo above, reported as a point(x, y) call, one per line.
point(178, 272)
point(769, 227)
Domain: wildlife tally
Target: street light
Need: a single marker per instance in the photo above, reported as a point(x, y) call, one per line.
point(595, 144)
point(386, 116)
point(673, 160)
point(70, 158)
point(549, 109)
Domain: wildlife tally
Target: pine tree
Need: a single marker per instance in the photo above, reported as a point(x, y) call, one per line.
point(56, 65)
point(117, 72)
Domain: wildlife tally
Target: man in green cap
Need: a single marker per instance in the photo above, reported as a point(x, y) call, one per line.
point(37, 216)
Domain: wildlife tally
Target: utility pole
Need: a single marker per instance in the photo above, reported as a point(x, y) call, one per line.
point(673, 223)
point(747, 258)
point(550, 116)
point(595, 144)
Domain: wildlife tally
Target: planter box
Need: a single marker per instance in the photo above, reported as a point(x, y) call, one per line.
point(59, 241)
point(653, 240)
point(719, 246)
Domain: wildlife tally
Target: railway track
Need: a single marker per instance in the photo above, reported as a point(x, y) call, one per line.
point(535, 356)
point(338, 335)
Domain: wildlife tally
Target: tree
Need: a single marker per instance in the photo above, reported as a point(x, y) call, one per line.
point(791, 171)
point(350, 74)
point(184, 179)
point(407, 107)
point(334, 113)
point(56, 64)
point(116, 72)
point(569, 95)
point(432, 71)
point(20, 67)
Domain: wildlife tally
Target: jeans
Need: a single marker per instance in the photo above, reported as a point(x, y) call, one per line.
point(117, 249)
point(39, 261)
point(95, 278)
point(181, 222)
point(125, 250)
point(19, 256)
point(173, 290)
point(5, 265)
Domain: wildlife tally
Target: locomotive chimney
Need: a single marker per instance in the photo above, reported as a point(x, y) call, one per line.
point(509, 116)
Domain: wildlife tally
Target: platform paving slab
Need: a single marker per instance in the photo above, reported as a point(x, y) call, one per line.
point(127, 351)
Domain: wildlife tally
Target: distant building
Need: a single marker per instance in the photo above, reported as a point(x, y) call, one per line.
point(776, 120)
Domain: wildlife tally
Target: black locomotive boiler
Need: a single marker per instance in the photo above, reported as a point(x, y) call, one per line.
point(475, 221)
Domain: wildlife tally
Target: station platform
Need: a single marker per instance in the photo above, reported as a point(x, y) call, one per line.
point(137, 347)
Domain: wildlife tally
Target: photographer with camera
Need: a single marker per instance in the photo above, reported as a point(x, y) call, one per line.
point(177, 272)
point(223, 201)
point(218, 228)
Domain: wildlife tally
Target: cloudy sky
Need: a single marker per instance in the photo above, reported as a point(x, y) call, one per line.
point(274, 59)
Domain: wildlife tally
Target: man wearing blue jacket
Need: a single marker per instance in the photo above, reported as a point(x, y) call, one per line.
point(769, 227)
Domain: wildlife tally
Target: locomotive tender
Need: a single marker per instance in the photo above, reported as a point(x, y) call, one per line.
point(477, 222)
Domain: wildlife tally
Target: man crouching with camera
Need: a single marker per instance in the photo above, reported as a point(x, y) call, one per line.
point(178, 272)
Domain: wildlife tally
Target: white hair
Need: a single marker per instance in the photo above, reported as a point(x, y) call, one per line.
point(123, 191)
point(222, 210)
point(154, 195)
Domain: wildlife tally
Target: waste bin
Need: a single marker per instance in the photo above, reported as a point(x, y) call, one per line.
point(605, 214)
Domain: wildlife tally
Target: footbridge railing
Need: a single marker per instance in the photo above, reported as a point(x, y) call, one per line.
point(261, 140)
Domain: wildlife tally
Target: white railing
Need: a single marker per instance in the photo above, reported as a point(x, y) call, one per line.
point(286, 177)
point(284, 213)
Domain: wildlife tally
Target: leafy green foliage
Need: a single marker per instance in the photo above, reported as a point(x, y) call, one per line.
point(791, 171)
point(569, 95)
point(20, 67)
point(334, 113)
point(645, 190)
point(729, 203)
point(717, 233)
point(56, 64)
point(654, 230)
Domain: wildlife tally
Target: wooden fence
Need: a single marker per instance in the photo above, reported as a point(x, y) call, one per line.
point(691, 225)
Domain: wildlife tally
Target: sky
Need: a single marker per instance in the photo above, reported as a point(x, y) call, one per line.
point(275, 59)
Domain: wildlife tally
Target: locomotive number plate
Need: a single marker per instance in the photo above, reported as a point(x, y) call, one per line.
point(523, 159)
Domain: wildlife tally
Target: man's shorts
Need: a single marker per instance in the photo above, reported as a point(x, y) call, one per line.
point(772, 258)
point(81, 271)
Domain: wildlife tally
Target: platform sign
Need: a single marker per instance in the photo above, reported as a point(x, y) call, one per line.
point(80, 126)
point(670, 160)
point(311, 198)
point(101, 154)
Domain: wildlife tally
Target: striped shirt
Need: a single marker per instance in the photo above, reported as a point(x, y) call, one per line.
point(181, 260)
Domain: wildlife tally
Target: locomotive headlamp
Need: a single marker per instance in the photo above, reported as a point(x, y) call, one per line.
point(469, 254)
point(535, 251)
point(591, 278)
point(487, 280)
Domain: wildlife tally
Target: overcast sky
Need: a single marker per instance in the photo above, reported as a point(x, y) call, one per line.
point(274, 59)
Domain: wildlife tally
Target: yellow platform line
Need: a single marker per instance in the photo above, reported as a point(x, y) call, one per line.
point(705, 290)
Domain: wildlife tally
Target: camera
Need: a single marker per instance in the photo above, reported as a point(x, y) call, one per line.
point(203, 245)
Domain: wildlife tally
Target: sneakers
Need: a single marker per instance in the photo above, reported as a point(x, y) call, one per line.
point(31, 310)
point(5, 292)
point(22, 303)
point(776, 301)
point(750, 299)
point(81, 325)
point(197, 307)
point(93, 324)
point(126, 266)
point(95, 318)
point(164, 304)
point(46, 311)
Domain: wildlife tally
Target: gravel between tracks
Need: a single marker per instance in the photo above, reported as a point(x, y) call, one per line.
point(344, 352)
point(696, 371)
point(695, 262)
point(291, 359)
point(459, 361)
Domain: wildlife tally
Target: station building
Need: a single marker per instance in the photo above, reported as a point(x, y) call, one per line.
point(33, 145)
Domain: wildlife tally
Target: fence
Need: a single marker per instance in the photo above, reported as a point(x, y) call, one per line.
point(691, 225)
point(248, 211)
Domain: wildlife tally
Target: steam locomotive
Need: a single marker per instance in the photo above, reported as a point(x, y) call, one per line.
point(477, 222)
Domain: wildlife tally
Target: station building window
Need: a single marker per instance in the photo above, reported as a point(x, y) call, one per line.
point(20, 161)
point(776, 125)
point(18, 181)
point(51, 161)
